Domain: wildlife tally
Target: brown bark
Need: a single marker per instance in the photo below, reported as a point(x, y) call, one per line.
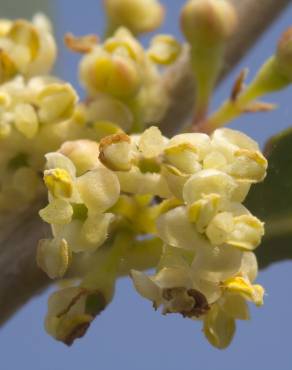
point(20, 279)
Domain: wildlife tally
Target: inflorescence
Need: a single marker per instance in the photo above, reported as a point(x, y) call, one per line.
point(122, 197)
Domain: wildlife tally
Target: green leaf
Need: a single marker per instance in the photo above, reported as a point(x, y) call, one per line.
point(271, 201)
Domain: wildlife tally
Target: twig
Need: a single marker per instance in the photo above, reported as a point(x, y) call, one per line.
point(20, 279)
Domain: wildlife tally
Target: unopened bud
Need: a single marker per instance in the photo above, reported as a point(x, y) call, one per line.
point(70, 312)
point(208, 21)
point(83, 153)
point(116, 152)
point(53, 257)
point(114, 75)
point(206, 25)
point(284, 54)
point(56, 102)
point(137, 15)
point(24, 34)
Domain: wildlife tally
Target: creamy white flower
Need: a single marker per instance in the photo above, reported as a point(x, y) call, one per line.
point(175, 229)
point(242, 154)
point(209, 182)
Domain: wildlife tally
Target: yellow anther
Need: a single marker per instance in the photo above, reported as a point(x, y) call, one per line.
point(243, 287)
point(59, 183)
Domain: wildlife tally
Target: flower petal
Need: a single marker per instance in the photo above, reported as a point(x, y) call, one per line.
point(99, 189)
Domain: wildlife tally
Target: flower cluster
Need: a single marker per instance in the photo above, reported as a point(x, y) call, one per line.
point(27, 48)
point(211, 177)
point(122, 69)
point(35, 108)
point(34, 120)
point(39, 112)
point(122, 197)
point(193, 187)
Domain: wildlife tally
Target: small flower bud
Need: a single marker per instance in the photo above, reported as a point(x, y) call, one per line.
point(208, 21)
point(116, 153)
point(284, 54)
point(137, 15)
point(30, 46)
point(56, 102)
point(83, 153)
point(101, 72)
point(24, 34)
point(152, 143)
point(207, 24)
point(70, 312)
point(53, 257)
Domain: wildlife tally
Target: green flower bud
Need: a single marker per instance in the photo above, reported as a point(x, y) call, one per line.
point(206, 25)
point(284, 54)
point(208, 21)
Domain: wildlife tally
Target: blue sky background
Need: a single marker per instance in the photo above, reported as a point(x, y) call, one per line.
point(130, 334)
